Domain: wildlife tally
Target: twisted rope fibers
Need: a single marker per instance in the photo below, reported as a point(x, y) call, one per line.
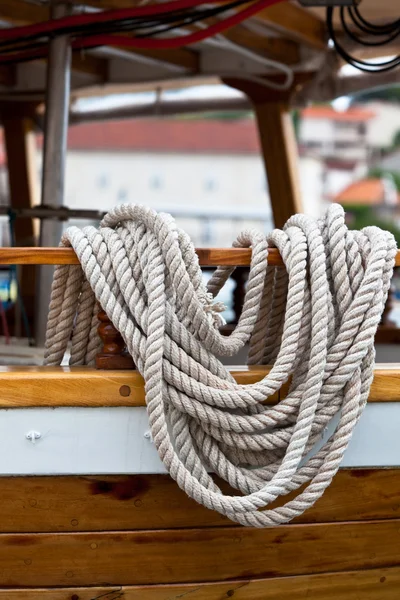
point(314, 322)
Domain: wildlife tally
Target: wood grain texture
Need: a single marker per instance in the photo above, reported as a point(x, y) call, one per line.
point(279, 149)
point(208, 257)
point(295, 23)
point(187, 555)
point(101, 503)
point(86, 386)
point(375, 584)
point(24, 193)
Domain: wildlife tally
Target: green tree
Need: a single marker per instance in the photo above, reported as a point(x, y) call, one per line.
point(365, 216)
point(379, 173)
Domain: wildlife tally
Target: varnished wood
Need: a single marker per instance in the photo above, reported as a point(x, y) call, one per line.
point(24, 190)
point(296, 23)
point(113, 354)
point(208, 257)
point(374, 584)
point(85, 386)
point(22, 171)
point(111, 503)
point(279, 151)
point(8, 75)
point(188, 555)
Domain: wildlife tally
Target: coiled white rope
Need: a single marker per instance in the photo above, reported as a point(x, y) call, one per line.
point(314, 322)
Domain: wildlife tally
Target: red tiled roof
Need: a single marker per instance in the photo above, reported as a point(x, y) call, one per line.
point(354, 113)
point(364, 192)
point(167, 135)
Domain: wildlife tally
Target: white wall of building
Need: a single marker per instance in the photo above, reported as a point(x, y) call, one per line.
point(312, 185)
point(347, 139)
point(381, 129)
point(214, 196)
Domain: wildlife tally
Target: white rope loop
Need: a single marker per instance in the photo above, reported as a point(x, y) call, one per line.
point(314, 321)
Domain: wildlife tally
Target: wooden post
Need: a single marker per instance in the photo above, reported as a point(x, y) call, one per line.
point(278, 144)
point(113, 354)
point(24, 189)
point(279, 150)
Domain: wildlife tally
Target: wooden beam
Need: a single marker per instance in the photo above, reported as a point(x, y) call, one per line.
point(20, 13)
point(280, 154)
point(208, 257)
point(178, 57)
point(8, 75)
point(24, 189)
point(66, 256)
point(144, 502)
point(295, 23)
point(22, 171)
point(195, 555)
point(279, 49)
point(373, 584)
point(84, 386)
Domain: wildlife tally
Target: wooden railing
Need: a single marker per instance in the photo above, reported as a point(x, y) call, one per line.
point(208, 257)
point(113, 354)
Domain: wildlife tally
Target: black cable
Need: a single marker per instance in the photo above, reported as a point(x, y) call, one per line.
point(378, 31)
point(132, 24)
point(367, 67)
point(363, 41)
point(190, 20)
point(155, 24)
point(373, 25)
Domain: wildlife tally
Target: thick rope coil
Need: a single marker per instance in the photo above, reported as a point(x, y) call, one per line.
point(315, 322)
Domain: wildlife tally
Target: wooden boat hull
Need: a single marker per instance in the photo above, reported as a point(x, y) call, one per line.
point(140, 537)
point(67, 535)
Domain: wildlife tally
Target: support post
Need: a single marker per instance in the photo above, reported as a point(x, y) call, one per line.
point(280, 155)
point(278, 144)
point(113, 354)
point(54, 153)
point(24, 189)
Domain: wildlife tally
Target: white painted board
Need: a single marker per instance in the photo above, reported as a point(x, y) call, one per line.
point(115, 440)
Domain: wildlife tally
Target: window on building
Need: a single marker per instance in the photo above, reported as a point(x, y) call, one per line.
point(210, 184)
point(156, 182)
point(103, 181)
point(362, 128)
point(122, 194)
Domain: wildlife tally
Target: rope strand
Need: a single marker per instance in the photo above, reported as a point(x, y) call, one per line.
point(315, 322)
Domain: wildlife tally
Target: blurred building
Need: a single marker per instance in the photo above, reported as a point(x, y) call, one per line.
point(349, 142)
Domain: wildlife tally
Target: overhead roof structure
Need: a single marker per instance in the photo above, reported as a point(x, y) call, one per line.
point(285, 32)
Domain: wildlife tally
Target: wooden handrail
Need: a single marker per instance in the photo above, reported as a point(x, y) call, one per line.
point(24, 387)
point(208, 257)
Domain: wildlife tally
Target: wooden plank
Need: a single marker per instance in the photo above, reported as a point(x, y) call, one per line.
point(85, 386)
point(279, 149)
point(295, 23)
point(66, 256)
point(187, 555)
point(22, 171)
point(374, 584)
point(273, 47)
point(23, 180)
point(123, 503)
point(208, 257)
point(8, 75)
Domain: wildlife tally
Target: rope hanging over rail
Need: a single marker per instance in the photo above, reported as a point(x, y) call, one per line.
point(314, 322)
